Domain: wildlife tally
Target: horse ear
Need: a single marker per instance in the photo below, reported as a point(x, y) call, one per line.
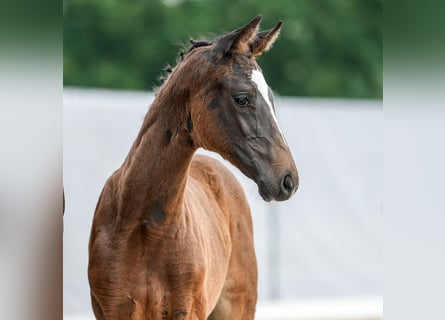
point(238, 40)
point(265, 39)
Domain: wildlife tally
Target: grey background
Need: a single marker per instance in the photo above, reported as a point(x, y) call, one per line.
point(324, 242)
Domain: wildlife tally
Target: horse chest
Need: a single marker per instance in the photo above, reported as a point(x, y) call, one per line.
point(183, 268)
point(188, 261)
point(168, 286)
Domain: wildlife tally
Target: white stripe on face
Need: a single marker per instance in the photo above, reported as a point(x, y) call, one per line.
point(258, 78)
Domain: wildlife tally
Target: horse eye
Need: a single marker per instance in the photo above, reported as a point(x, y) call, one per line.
point(242, 101)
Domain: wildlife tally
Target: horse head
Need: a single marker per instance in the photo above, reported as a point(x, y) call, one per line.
point(232, 108)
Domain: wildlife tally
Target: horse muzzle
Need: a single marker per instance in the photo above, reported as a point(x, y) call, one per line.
point(280, 190)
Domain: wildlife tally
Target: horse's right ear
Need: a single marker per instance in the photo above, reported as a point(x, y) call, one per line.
point(238, 41)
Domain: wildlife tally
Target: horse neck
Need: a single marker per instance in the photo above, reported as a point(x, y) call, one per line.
point(154, 174)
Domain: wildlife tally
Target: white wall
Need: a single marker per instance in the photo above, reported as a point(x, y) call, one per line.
point(325, 241)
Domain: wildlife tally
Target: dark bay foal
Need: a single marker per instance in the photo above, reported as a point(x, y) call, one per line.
point(172, 232)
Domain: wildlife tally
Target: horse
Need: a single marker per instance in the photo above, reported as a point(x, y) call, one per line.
point(172, 231)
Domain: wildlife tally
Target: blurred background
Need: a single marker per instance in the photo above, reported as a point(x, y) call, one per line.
point(326, 49)
point(319, 253)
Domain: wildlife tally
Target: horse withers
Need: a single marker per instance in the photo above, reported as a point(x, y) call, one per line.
point(172, 232)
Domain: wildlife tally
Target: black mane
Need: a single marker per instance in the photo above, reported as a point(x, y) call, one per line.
point(195, 44)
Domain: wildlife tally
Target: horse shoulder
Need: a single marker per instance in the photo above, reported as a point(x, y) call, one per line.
point(101, 265)
point(105, 212)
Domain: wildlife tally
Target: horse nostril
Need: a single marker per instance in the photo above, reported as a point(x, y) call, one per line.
point(287, 184)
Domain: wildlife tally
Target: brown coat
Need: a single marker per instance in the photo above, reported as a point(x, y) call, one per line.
point(172, 233)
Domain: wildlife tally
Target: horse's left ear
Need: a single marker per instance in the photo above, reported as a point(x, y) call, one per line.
point(265, 39)
point(239, 40)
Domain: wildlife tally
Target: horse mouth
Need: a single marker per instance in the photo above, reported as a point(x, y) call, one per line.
point(264, 192)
